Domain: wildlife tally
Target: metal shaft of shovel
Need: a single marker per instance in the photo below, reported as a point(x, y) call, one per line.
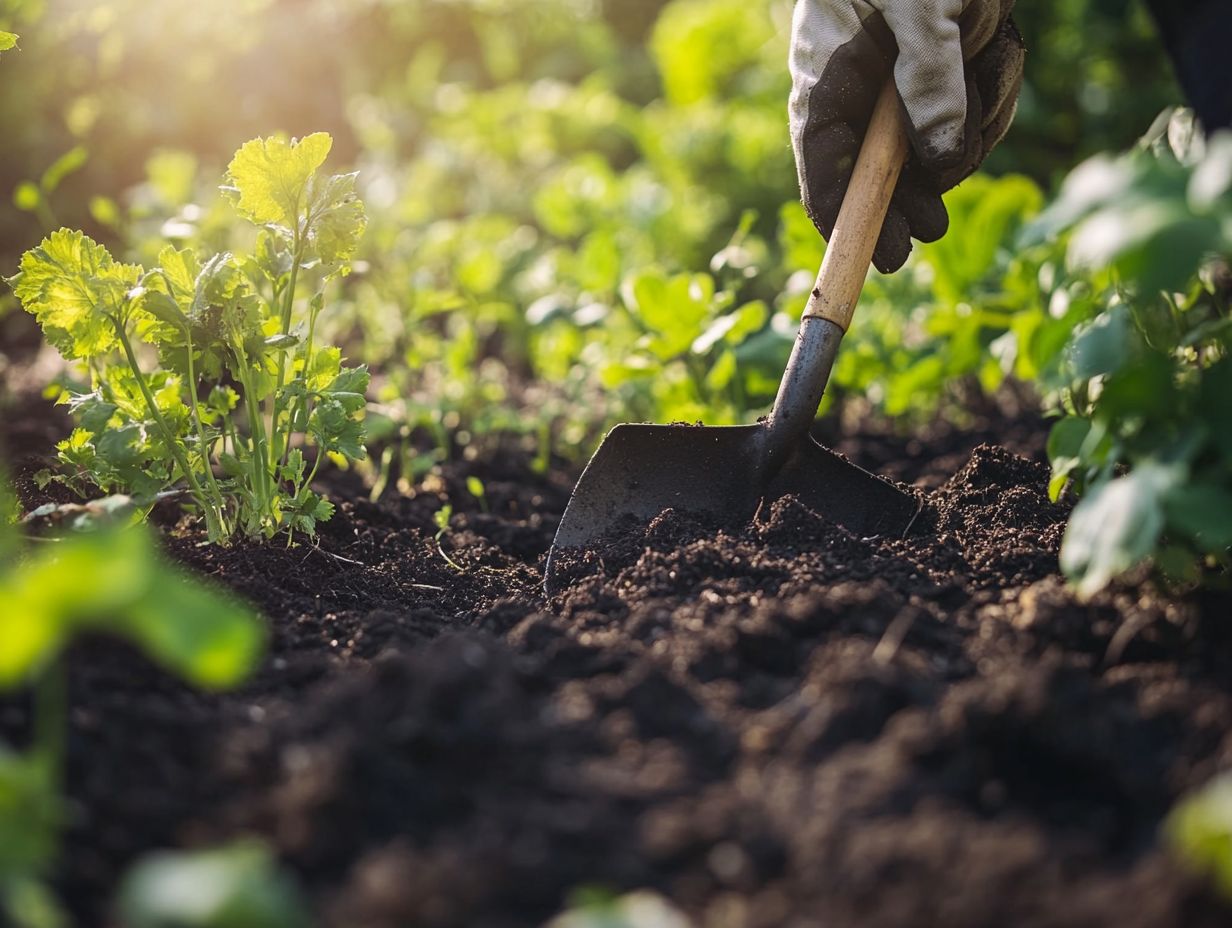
point(728, 471)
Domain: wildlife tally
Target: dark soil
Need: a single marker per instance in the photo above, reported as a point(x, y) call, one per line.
point(780, 725)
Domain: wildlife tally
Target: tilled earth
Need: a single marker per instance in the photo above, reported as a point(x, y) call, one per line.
point(777, 725)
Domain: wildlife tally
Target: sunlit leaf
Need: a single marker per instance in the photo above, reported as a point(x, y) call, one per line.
point(271, 176)
point(75, 290)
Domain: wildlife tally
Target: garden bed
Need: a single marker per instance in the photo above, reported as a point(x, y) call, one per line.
point(782, 725)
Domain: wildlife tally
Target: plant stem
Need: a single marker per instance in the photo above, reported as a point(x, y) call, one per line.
point(260, 461)
point(287, 306)
point(293, 409)
point(213, 530)
point(205, 451)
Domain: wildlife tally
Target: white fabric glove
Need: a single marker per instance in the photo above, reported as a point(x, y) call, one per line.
point(957, 65)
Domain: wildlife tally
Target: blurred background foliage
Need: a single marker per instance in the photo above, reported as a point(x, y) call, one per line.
point(582, 210)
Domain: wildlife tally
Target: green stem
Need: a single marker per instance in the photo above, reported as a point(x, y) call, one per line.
point(287, 306)
point(205, 451)
point(260, 460)
point(293, 409)
point(173, 446)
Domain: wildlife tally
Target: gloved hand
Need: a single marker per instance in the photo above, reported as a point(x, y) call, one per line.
point(958, 69)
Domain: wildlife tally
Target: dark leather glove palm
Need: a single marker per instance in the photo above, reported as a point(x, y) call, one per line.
point(958, 69)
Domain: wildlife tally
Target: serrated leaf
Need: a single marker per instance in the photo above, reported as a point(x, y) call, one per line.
point(337, 431)
point(74, 288)
point(324, 369)
point(271, 176)
point(8, 40)
point(337, 220)
point(179, 270)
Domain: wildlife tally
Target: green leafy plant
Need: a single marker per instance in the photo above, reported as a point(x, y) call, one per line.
point(8, 41)
point(1146, 435)
point(112, 582)
point(211, 372)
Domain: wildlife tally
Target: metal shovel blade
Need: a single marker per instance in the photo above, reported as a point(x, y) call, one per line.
point(719, 472)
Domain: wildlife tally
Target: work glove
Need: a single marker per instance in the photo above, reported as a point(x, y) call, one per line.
point(958, 69)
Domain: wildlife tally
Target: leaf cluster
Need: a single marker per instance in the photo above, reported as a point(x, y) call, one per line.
point(1146, 436)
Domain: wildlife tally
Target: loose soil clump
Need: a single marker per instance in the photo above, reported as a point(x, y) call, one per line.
point(780, 724)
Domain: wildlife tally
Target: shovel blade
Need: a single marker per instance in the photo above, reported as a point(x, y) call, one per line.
point(717, 471)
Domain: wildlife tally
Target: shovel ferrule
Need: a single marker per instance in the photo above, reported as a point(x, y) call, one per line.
point(800, 390)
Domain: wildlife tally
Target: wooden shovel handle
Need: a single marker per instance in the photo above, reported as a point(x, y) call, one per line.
point(862, 214)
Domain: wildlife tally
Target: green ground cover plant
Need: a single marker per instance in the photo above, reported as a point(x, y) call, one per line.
point(1144, 380)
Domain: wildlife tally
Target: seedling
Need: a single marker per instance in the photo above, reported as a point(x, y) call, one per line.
point(441, 517)
point(241, 387)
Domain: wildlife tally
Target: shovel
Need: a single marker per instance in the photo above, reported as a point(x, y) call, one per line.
point(729, 471)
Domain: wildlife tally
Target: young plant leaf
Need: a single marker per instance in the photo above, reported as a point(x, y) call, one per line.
point(1116, 526)
point(76, 291)
point(271, 177)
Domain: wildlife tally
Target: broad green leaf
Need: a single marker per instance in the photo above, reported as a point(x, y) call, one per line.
point(8, 40)
point(229, 887)
point(1204, 513)
point(58, 588)
point(271, 177)
point(199, 633)
point(116, 582)
point(1104, 345)
point(672, 309)
point(1116, 526)
point(75, 290)
point(350, 387)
